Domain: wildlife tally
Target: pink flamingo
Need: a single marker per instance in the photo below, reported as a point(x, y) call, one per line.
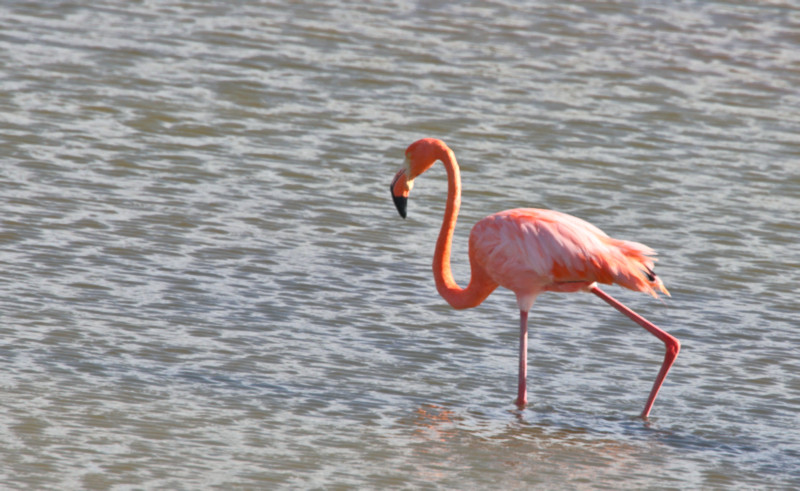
point(531, 251)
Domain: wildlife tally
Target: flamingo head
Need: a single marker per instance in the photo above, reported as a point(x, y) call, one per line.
point(420, 156)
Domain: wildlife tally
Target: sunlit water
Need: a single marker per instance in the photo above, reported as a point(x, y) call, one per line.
point(205, 282)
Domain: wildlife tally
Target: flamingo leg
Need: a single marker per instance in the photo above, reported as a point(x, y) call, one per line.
point(522, 391)
point(672, 344)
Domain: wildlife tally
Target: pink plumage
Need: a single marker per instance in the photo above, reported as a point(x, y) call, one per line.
point(530, 251)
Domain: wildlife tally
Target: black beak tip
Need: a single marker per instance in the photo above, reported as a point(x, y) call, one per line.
point(400, 202)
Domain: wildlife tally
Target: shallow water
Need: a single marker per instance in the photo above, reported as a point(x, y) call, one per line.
point(205, 283)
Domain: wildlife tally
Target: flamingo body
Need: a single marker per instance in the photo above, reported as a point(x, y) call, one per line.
point(530, 251)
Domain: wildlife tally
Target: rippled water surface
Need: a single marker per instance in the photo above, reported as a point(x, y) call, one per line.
point(205, 283)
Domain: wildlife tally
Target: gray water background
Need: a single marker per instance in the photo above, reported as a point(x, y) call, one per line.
point(204, 283)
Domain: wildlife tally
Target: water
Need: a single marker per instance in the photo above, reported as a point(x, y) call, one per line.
point(205, 284)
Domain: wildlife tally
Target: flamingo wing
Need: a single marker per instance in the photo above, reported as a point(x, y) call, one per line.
point(530, 250)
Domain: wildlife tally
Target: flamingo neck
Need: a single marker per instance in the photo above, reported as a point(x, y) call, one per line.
point(479, 288)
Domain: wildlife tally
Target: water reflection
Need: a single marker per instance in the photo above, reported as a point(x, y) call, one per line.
point(530, 449)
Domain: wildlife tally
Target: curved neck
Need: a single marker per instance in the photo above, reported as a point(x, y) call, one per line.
point(479, 286)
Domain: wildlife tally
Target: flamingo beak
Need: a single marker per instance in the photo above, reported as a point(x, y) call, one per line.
point(400, 189)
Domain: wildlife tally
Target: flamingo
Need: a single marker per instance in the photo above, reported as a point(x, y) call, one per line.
point(531, 251)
